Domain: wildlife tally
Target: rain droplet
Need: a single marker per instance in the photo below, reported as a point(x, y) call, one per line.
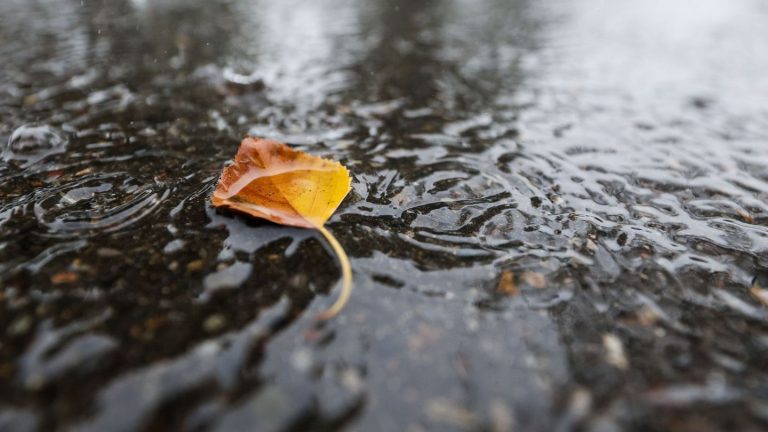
point(32, 143)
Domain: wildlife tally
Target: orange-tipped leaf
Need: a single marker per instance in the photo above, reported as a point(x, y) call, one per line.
point(270, 180)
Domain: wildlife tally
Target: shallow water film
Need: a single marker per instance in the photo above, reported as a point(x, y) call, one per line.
point(558, 218)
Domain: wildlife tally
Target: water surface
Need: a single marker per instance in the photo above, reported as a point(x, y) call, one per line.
point(558, 218)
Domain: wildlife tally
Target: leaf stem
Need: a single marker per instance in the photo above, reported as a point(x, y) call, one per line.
point(346, 273)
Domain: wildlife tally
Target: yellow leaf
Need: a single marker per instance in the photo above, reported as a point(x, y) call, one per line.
point(272, 181)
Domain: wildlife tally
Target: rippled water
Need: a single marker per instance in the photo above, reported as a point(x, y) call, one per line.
point(558, 218)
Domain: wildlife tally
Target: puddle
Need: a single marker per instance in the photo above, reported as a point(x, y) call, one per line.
point(557, 219)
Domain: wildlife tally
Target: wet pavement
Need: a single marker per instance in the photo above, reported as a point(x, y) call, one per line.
point(559, 216)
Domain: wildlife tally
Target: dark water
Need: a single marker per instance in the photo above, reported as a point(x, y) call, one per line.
point(559, 216)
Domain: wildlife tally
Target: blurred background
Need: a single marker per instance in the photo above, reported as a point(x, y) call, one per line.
point(558, 218)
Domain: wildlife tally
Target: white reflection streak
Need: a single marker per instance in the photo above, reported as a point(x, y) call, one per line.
point(294, 43)
point(140, 5)
point(656, 46)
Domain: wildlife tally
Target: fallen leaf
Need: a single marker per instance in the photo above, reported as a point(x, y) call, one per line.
point(759, 293)
point(506, 285)
point(534, 279)
point(272, 181)
point(66, 277)
point(745, 216)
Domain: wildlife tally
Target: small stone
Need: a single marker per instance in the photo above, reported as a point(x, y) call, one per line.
point(444, 411)
point(108, 252)
point(195, 266)
point(647, 316)
point(173, 246)
point(301, 360)
point(501, 417)
point(7, 370)
point(30, 100)
point(35, 381)
point(423, 337)
point(214, 323)
point(580, 404)
point(135, 331)
point(155, 323)
point(20, 326)
point(536, 280)
point(352, 380)
point(615, 351)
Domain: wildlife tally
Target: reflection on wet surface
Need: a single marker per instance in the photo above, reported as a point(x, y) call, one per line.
point(558, 216)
